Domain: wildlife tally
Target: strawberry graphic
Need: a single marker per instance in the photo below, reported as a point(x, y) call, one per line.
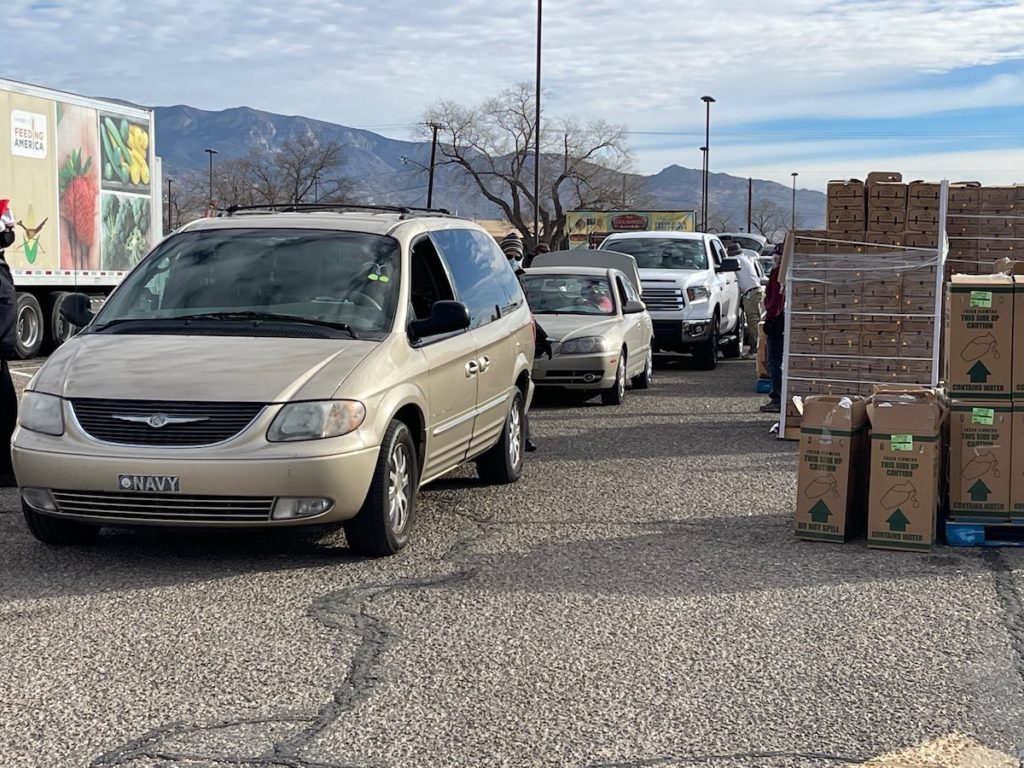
point(78, 194)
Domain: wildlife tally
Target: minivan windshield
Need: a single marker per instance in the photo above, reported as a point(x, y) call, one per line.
point(661, 252)
point(345, 280)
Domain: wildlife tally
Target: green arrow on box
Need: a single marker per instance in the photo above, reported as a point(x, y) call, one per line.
point(979, 491)
point(979, 373)
point(898, 521)
point(820, 513)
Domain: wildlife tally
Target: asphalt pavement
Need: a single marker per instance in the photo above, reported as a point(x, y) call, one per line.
point(638, 599)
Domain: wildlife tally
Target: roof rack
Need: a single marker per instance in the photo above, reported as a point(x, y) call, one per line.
point(402, 210)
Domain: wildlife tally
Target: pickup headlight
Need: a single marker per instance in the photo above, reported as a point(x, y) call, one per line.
point(41, 413)
point(585, 345)
point(698, 294)
point(316, 420)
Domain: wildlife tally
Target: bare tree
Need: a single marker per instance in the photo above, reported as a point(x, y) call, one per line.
point(719, 221)
point(582, 166)
point(769, 218)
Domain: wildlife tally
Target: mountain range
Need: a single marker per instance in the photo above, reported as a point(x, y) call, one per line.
point(383, 170)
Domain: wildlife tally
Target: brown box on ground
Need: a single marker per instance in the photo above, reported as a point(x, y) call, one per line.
point(923, 220)
point(1017, 462)
point(921, 239)
point(887, 220)
point(833, 451)
point(980, 435)
point(906, 456)
point(979, 337)
point(964, 196)
point(923, 194)
point(1017, 375)
point(846, 192)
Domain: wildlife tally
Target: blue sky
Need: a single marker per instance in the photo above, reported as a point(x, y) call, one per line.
point(827, 88)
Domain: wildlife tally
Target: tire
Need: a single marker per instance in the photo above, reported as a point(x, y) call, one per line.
point(385, 521)
point(59, 532)
point(707, 353)
point(503, 464)
point(30, 326)
point(58, 330)
point(734, 349)
point(616, 394)
point(643, 381)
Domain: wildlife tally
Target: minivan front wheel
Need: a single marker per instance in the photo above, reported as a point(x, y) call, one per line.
point(384, 523)
point(503, 464)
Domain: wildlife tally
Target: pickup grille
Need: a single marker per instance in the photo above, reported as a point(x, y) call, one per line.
point(662, 296)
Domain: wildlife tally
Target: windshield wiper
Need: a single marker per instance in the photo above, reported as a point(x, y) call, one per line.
point(269, 317)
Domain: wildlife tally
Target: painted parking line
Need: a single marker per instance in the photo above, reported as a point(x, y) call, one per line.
point(954, 751)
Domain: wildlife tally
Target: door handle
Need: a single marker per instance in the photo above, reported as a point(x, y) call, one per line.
point(485, 363)
point(472, 369)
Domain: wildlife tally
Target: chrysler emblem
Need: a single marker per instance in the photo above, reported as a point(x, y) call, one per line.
point(160, 420)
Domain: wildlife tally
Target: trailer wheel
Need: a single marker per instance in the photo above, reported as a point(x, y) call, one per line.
point(58, 329)
point(30, 326)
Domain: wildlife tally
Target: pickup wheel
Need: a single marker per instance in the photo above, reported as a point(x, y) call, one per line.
point(706, 354)
point(734, 349)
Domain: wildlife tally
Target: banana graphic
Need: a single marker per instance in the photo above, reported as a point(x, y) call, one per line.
point(899, 495)
point(981, 465)
point(821, 485)
point(979, 347)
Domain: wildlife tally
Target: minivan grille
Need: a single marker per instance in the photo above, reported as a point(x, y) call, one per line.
point(663, 297)
point(163, 507)
point(132, 422)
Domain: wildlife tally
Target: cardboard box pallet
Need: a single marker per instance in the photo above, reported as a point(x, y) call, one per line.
point(979, 337)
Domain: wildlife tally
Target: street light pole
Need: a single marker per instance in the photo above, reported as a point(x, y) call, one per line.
point(703, 190)
point(708, 101)
point(792, 225)
point(170, 220)
point(211, 153)
point(750, 202)
point(433, 160)
point(536, 137)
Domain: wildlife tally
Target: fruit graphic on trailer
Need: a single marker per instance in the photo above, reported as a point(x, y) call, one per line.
point(78, 195)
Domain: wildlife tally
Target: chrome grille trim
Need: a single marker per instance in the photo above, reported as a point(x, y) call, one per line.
point(663, 296)
point(163, 507)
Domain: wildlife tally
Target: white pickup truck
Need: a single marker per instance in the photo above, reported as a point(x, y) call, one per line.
point(691, 291)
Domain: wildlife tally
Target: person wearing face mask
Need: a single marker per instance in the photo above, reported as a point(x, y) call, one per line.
point(8, 351)
point(512, 246)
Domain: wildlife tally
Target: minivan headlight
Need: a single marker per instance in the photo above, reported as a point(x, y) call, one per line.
point(586, 345)
point(316, 420)
point(41, 413)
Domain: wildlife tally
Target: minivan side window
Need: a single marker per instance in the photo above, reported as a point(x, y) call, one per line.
point(484, 280)
point(428, 282)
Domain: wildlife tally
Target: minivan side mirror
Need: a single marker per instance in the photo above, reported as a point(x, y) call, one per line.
point(730, 265)
point(76, 309)
point(633, 307)
point(445, 317)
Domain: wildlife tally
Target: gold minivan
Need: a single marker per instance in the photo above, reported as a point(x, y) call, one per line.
point(274, 368)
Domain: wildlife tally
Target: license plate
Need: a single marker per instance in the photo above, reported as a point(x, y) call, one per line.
point(149, 483)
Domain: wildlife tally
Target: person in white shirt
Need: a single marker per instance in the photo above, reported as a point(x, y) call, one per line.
point(751, 291)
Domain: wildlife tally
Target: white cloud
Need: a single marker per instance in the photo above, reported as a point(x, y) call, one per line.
point(644, 63)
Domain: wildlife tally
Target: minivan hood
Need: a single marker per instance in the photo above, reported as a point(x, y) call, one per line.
point(564, 327)
point(200, 368)
point(683, 277)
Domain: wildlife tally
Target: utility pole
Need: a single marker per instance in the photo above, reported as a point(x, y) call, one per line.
point(793, 221)
point(170, 220)
point(536, 137)
point(750, 203)
point(211, 153)
point(708, 101)
point(433, 159)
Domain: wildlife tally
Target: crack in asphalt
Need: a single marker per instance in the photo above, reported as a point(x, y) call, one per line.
point(342, 610)
point(1012, 617)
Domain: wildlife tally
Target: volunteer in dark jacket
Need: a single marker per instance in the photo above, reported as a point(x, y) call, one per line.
point(774, 331)
point(8, 331)
point(512, 246)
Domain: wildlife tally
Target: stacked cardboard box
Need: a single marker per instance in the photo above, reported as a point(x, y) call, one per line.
point(887, 208)
point(846, 210)
point(984, 224)
point(1017, 479)
point(980, 365)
